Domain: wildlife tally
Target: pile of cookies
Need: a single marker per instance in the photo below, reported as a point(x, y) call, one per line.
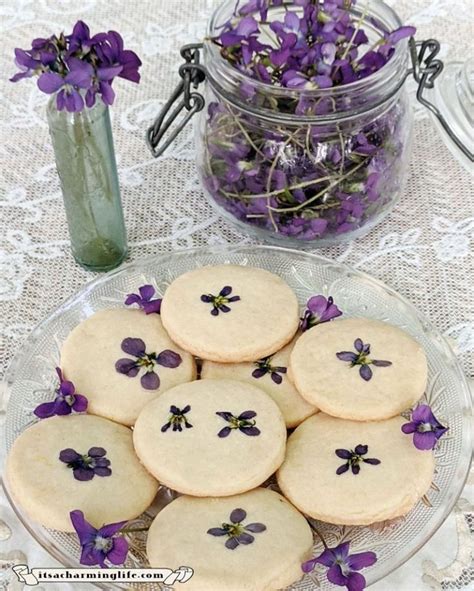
point(198, 398)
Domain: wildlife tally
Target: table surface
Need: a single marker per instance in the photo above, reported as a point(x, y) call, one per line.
point(423, 249)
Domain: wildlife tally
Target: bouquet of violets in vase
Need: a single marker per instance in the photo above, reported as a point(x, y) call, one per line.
point(78, 71)
point(307, 130)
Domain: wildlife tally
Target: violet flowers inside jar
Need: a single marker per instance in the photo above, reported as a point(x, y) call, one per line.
point(304, 130)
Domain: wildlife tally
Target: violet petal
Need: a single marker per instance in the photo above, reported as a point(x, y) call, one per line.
point(255, 527)
point(361, 560)
point(96, 452)
point(424, 441)
point(409, 428)
point(231, 543)
point(276, 378)
point(83, 474)
point(153, 307)
point(381, 363)
point(134, 346)
point(80, 403)
point(347, 356)
point(217, 531)
point(251, 431)
point(85, 531)
point(245, 539)
point(246, 415)
point(365, 372)
point(118, 553)
point(238, 515)
point(168, 358)
point(345, 454)
point(334, 575)
point(102, 471)
point(150, 381)
point(69, 455)
point(127, 367)
point(45, 410)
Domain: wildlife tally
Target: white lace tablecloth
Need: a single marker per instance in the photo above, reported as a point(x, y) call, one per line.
point(423, 249)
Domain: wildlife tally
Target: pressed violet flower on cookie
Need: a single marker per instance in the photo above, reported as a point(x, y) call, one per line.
point(271, 375)
point(185, 437)
point(359, 369)
point(81, 461)
point(230, 313)
point(123, 357)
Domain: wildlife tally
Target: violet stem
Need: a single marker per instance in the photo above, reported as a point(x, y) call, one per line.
point(318, 195)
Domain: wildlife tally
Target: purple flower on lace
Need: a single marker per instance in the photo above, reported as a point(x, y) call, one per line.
point(66, 401)
point(361, 358)
point(99, 545)
point(177, 419)
point(425, 427)
point(145, 361)
point(319, 310)
point(220, 302)
point(237, 533)
point(245, 423)
point(354, 458)
point(78, 67)
point(86, 466)
point(343, 567)
point(264, 367)
point(144, 299)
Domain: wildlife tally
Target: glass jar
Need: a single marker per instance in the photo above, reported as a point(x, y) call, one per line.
point(305, 167)
point(85, 161)
point(324, 165)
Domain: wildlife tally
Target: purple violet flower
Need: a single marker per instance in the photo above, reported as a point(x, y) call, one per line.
point(342, 566)
point(319, 310)
point(361, 357)
point(219, 302)
point(86, 466)
point(147, 361)
point(67, 400)
point(99, 545)
point(264, 367)
point(354, 458)
point(144, 299)
point(245, 423)
point(236, 531)
point(77, 65)
point(177, 418)
point(425, 427)
point(68, 87)
point(315, 46)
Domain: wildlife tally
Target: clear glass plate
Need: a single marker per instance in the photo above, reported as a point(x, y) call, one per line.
point(31, 379)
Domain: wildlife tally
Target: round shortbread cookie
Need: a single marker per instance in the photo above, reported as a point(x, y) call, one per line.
point(271, 375)
point(48, 488)
point(359, 369)
point(192, 439)
point(90, 354)
point(230, 313)
point(391, 473)
point(277, 541)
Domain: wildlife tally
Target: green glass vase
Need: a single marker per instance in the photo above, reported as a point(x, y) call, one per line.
point(85, 161)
